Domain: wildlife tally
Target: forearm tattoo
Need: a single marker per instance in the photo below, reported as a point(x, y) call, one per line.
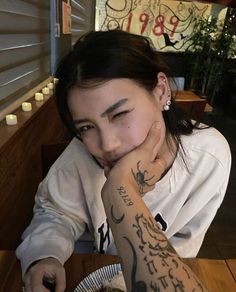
point(125, 196)
point(157, 255)
point(136, 285)
point(114, 218)
point(141, 178)
point(154, 245)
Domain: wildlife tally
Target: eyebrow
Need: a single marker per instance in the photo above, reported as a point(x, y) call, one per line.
point(75, 122)
point(106, 112)
point(114, 106)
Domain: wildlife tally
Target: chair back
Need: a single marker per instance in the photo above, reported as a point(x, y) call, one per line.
point(50, 153)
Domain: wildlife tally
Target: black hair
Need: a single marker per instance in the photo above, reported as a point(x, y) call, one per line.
point(99, 56)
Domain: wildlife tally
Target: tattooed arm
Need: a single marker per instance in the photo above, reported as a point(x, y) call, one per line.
point(149, 261)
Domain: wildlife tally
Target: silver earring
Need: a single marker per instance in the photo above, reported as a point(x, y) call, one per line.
point(167, 106)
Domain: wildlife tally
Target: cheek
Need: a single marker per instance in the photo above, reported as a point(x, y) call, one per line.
point(91, 145)
point(135, 133)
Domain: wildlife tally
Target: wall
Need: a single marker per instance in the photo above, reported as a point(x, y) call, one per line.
point(20, 166)
point(60, 43)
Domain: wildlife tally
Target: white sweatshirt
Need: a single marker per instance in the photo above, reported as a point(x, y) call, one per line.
point(184, 202)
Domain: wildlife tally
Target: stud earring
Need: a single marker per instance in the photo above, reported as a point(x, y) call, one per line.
point(167, 106)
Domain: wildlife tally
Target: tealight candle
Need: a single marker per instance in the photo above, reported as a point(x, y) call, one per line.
point(38, 96)
point(45, 90)
point(11, 119)
point(26, 106)
point(50, 85)
point(55, 80)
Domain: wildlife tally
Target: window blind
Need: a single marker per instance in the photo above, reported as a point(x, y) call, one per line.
point(82, 17)
point(24, 47)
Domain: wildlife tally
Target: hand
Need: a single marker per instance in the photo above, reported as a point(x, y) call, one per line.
point(142, 167)
point(49, 270)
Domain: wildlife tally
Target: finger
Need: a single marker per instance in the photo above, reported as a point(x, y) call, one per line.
point(27, 284)
point(161, 165)
point(37, 282)
point(40, 289)
point(60, 280)
point(49, 283)
point(153, 140)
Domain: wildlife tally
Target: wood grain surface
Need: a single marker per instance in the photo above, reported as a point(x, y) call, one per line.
point(20, 166)
point(217, 275)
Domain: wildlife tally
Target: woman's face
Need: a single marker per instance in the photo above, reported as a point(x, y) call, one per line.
point(114, 118)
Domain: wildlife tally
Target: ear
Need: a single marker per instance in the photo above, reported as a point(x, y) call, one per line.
point(162, 92)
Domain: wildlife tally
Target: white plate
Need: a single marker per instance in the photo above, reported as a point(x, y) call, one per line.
point(94, 281)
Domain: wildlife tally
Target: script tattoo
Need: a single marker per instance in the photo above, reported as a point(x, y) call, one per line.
point(151, 236)
point(140, 178)
point(125, 196)
point(153, 244)
point(136, 286)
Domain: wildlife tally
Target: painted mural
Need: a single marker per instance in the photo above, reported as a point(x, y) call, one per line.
point(167, 23)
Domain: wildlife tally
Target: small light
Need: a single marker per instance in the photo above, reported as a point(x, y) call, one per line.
point(50, 85)
point(45, 90)
point(55, 80)
point(11, 120)
point(26, 106)
point(38, 96)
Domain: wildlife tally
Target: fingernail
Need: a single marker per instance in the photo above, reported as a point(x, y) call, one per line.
point(156, 125)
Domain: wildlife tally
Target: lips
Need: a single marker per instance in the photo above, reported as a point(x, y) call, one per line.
point(109, 163)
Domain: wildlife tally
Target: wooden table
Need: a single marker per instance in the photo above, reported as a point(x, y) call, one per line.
point(187, 95)
point(232, 266)
point(192, 103)
point(217, 275)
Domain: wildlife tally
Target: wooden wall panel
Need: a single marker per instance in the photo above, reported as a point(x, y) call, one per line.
point(20, 169)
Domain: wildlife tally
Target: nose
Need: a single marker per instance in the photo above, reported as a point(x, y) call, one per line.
point(109, 141)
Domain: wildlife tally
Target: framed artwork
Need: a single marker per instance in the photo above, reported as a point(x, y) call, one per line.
point(66, 17)
point(167, 23)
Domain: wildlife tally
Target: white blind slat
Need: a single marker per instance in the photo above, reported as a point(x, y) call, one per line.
point(24, 46)
point(82, 16)
point(12, 80)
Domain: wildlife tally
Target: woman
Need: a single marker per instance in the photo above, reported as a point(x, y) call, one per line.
point(166, 175)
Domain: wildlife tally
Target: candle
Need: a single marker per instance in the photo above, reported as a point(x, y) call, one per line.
point(50, 85)
point(38, 96)
point(11, 119)
point(55, 80)
point(45, 90)
point(26, 106)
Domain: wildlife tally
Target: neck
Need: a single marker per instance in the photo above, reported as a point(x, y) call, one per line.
point(169, 152)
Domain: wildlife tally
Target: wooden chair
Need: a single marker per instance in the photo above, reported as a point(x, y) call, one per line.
point(50, 153)
point(190, 102)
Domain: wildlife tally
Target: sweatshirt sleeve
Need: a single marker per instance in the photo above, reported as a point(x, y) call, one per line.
point(59, 218)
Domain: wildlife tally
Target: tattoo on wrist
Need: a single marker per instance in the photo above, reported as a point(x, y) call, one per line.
point(141, 179)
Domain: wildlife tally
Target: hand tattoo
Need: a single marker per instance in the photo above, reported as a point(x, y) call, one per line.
point(139, 176)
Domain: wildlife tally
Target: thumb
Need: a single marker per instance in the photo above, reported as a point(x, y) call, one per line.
point(153, 137)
